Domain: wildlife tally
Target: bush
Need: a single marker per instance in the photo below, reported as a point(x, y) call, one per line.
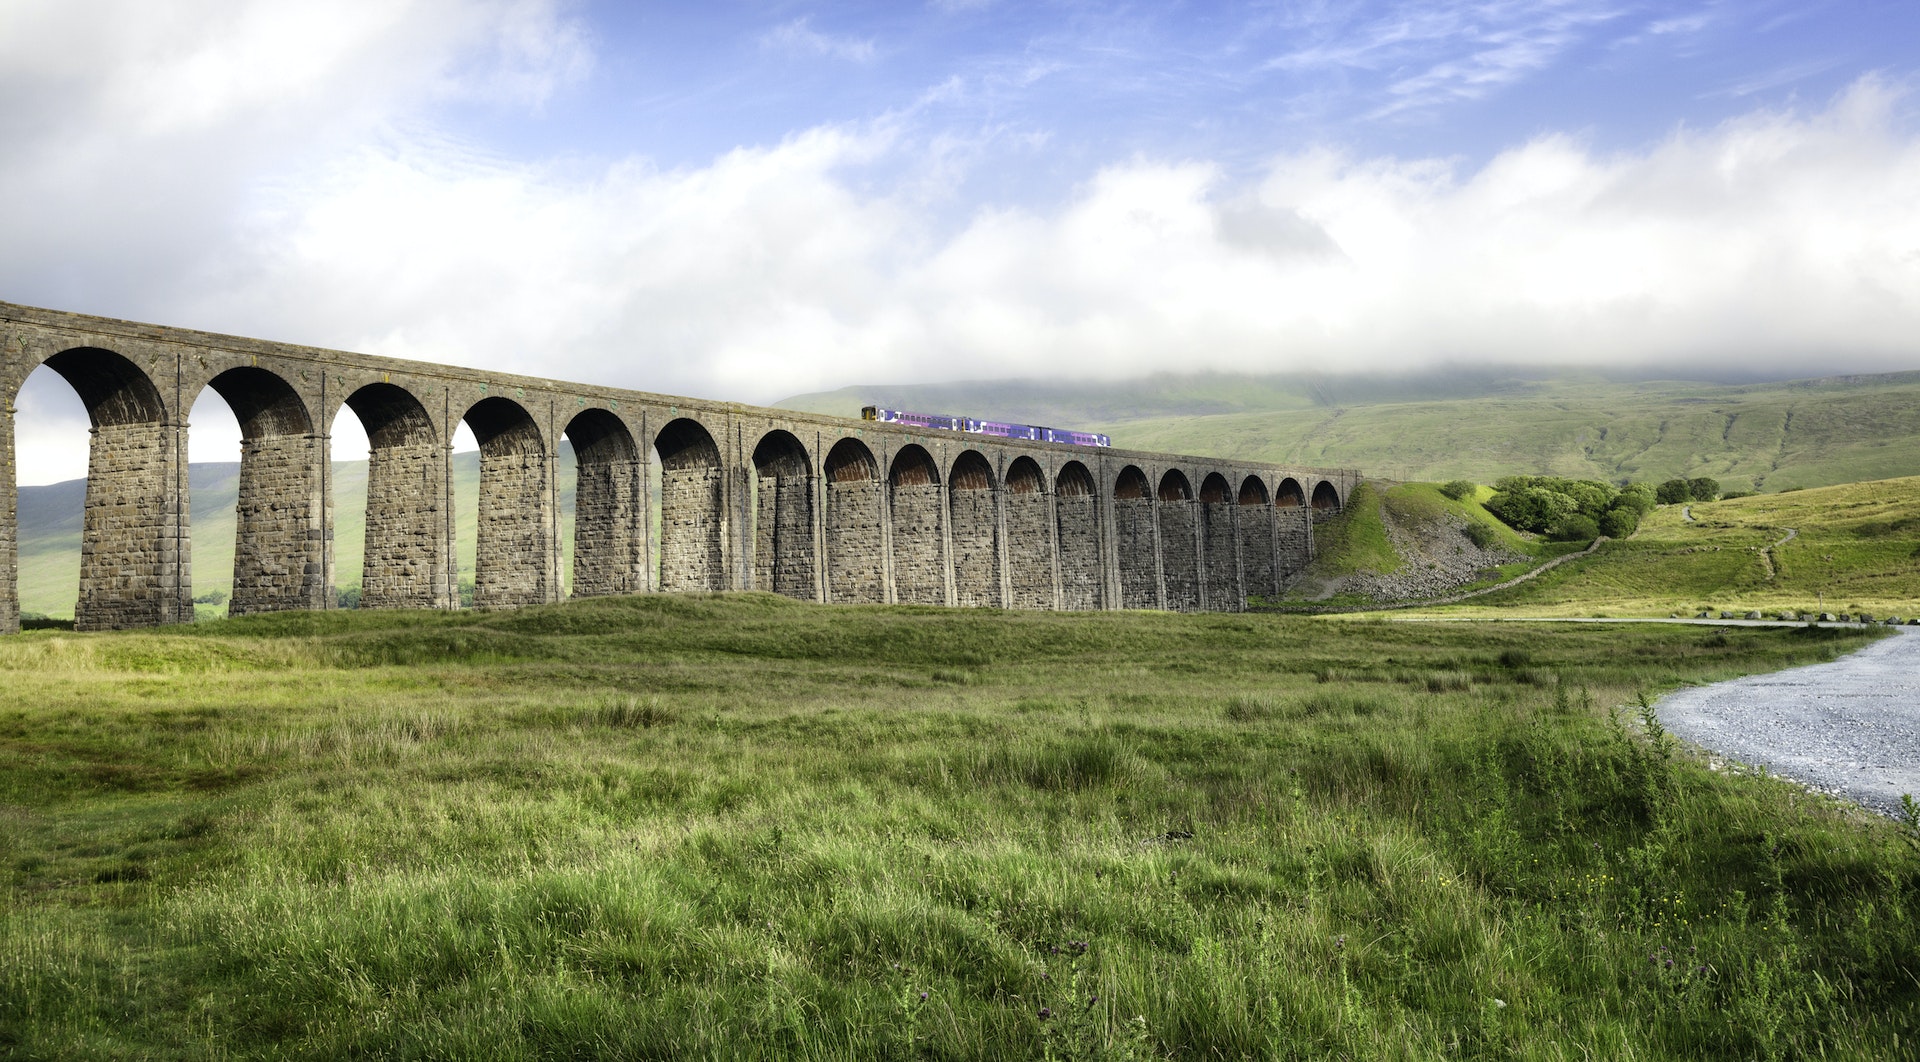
point(1732, 494)
point(1674, 492)
point(1619, 522)
point(1537, 503)
point(1575, 528)
point(1704, 489)
point(1481, 535)
point(1638, 497)
point(1459, 489)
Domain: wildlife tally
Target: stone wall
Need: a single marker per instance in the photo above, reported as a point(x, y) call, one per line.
point(1219, 540)
point(1134, 541)
point(406, 555)
point(1295, 528)
point(1256, 549)
point(919, 552)
point(1029, 549)
point(279, 551)
point(1081, 574)
point(692, 529)
point(783, 536)
point(132, 532)
point(606, 540)
point(855, 555)
point(512, 554)
point(976, 549)
point(1179, 555)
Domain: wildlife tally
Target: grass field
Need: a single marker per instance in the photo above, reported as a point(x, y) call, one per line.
point(681, 826)
point(1855, 548)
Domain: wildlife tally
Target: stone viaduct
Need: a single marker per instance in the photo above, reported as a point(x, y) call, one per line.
point(813, 507)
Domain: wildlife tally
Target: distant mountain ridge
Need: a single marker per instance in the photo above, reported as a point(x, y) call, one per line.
point(1474, 422)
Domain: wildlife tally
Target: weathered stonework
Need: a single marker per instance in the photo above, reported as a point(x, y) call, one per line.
point(1179, 555)
point(130, 542)
point(279, 557)
point(1029, 560)
point(747, 497)
point(1219, 548)
point(919, 546)
point(855, 552)
point(691, 531)
point(1257, 549)
point(976, 557)
point(1138, 545)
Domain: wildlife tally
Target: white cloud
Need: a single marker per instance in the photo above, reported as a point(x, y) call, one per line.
point(1782, 239)
point(800, 36)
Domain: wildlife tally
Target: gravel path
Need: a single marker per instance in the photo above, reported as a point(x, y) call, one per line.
point(1850, 728)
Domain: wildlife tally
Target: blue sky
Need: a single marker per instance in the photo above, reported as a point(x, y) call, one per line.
point(747, 200)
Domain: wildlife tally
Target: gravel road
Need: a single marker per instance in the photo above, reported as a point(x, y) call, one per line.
point(1850, 728)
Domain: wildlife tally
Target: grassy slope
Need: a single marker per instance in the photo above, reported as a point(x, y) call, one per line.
point(1355, 540)
point(1482, 425)
point(684, 826)
point(1858, 548)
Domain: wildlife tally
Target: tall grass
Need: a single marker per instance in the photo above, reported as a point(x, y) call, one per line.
point(739, 827)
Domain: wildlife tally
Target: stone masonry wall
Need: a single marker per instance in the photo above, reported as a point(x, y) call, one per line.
point(406, 534)
point(130, 530)
point(511, 548)
point(1080, 575)
point(279, 557)
point(1256, 549)
point(919, 557)
point(691, 529)
point(1029, 560)
point(1133, 535)
point(1295, 528)
point(606, 549)
point(1224, 593)
point(1179, 559)
point(854, 558)
point(976, 554)
point(783, 537)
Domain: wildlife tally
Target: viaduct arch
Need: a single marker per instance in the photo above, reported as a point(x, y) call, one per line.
point(812, 507)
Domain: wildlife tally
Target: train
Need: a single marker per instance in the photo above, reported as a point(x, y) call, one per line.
point(941, 422)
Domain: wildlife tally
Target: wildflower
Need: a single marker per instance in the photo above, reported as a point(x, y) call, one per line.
point(1669, 964)
point(1093, 1000)
point(1045, 1013)
point(923, 997)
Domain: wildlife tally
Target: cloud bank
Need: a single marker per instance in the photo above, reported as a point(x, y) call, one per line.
point(283, 177)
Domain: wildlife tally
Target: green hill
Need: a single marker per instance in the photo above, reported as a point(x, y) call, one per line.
point(1478, 424)
point(1848, 548)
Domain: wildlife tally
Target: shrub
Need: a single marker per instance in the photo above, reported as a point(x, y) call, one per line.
point(1459, 489)
point(1481, 535)
point(1704, 489)
point(1575, 528)
point(1674, 492)
point(1732, 494)
point(1637, 497)
point(1619, 522)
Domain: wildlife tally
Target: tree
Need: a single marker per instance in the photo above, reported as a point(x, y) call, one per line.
point(1674, 492)
point(1575, 528)
point(1619, 522)
point(1704, 489)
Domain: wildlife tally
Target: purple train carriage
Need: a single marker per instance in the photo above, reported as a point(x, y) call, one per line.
point(939, 422)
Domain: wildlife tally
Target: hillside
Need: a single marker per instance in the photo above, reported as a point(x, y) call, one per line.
point(1849, 548)
point(1479, 424)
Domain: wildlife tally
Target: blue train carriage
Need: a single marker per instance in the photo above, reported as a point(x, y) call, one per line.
point(942, 422)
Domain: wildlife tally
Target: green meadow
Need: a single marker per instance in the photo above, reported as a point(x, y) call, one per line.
point(1849, 548)
point(742, 827)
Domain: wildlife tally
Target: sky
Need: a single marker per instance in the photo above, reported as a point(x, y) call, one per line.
point(745, 200)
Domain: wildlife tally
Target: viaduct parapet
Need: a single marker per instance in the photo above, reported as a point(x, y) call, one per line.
point(814, 507)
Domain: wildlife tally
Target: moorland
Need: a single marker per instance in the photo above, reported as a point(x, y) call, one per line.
point(739, 826)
